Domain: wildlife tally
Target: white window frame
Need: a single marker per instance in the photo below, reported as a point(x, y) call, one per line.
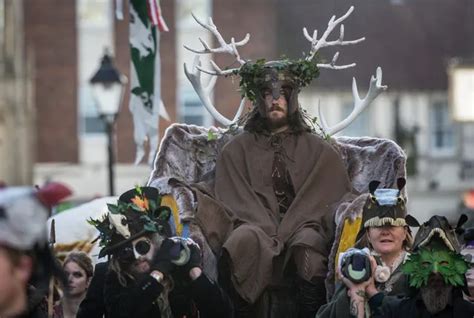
point(188, 95)
point(447, 127)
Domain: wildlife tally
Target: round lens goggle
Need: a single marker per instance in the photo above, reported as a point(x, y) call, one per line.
point(136, 249)
point(141, 247)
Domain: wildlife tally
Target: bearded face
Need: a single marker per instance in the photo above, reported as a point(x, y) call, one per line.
point(276, 109)
point(436, 294)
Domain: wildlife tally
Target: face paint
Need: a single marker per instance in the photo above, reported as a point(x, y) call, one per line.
point(435, 258)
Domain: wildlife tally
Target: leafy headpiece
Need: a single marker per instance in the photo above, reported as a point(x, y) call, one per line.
point(137, 212)
point(261, 75)
point(436, 250)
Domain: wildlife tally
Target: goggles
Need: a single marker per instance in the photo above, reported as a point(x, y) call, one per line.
point(136, 249)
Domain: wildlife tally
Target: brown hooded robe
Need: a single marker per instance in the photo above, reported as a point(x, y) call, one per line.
point(246, 220)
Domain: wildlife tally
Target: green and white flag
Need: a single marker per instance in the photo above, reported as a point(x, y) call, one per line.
point(145, 99)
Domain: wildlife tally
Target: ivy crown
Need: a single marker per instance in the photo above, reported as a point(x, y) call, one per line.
point(252, 74)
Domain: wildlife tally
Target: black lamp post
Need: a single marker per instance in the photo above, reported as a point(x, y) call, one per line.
point(108, 87)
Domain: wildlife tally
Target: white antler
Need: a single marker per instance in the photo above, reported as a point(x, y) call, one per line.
point(230, 48)
point(322, 42)
point(194, 76)
point(375, 89)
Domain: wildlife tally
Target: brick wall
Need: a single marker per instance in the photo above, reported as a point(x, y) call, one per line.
point(50, 37)
point(255, 17)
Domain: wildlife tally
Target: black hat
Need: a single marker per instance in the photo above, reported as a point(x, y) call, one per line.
point(437, 227)
point(137, 212)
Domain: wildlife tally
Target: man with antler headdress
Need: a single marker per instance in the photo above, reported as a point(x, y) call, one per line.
point(278, 179)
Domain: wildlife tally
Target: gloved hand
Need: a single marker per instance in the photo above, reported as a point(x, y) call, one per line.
point(195, 258)
point(163, 256)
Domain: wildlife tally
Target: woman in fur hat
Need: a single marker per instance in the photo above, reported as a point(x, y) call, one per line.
point(385, 237)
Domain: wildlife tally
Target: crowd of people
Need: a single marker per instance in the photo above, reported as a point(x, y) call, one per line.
point(151, 273)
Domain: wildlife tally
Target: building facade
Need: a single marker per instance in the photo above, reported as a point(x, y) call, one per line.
point(413, 42)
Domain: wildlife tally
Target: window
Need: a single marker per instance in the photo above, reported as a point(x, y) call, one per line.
point(360, 126)
point(192, 110)
point(442, 129)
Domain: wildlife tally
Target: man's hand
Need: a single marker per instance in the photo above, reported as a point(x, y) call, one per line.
point(162, 259)
point(193, 266)
point(359, 293)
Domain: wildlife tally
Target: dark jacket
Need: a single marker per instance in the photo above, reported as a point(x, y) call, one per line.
point(138, 298)
point(93, 304)
point(413, 307)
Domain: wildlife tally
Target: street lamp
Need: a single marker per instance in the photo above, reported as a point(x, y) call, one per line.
point(107, 88)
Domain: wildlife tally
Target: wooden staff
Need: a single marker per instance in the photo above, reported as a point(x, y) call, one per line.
point(52, 241)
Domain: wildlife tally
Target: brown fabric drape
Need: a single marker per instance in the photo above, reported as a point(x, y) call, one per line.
point(243, 216)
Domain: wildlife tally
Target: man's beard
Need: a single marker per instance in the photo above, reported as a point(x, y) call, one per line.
point(274, 124)
point(139, 268)
point(436, 298)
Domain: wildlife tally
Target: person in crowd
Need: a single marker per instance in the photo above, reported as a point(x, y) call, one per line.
point(26, 261)
point(435, 271)
point(387, 236)
point(79, 270)
point(150, 273)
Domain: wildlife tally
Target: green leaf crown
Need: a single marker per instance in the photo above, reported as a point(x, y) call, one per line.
point(300, 72)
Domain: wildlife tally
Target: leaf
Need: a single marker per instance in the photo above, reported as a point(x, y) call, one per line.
point(460, 266)
point(152, 207)
point(114, 209)
point(145, 218)
point(151, 227)
point(165, 213)
point(136, 208)
point(138, 190)
point(92, 222)
point(211, 136)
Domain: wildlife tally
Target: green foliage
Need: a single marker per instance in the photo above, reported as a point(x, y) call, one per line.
point(147, 213)
point(432, 259)
point(252, 78)
point(114, 209)
point(103, 226)
point(165, 213)
point(211, 135)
